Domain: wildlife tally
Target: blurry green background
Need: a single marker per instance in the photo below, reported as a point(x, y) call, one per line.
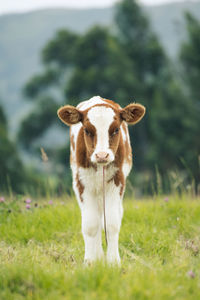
point(128, 52)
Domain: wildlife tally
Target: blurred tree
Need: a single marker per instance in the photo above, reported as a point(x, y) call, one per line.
point(149, 64)
point(47, 89)
point(99, 68)
point(40, 82)
point(12, 171)
point(138, 41)
point(190, 56)
point(157, 138)
point(39, 120)
point(61, 50)
point(190, 63)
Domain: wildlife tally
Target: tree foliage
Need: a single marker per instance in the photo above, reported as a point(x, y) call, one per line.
point(39, 120)
point(190, 56)
point(158, 137)
point(190, 62)
point(11, 175)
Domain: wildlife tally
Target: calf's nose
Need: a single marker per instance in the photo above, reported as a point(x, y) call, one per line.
point(102, 157)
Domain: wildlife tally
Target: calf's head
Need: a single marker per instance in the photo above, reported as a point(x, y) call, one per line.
point(101, 127)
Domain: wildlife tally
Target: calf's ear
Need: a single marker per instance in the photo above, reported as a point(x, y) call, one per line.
point(69, 115)
point(132, 113)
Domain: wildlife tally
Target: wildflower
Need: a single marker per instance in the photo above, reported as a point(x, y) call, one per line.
point(28, 206)
point(28, 200)
point(2, 199)
point(190, 244)
point(50, 202)
point(191, 274)
point(166, 199)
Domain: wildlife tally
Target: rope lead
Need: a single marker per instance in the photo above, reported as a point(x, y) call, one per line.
point(104, 208)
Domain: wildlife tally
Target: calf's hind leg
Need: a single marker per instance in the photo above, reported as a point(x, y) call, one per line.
point(114, 212)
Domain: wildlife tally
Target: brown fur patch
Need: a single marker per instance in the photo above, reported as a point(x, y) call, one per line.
point(115, 124)
point(118, 178)
point(82, 158)
point(71, 159)
point(119, 159)
point(86, 143)
point(90, 136)
point(114, 137)
point(122, 189)
point(111, 102)
point(108, 105)
point(127, 147)
point(80, 187)
point(119, 156)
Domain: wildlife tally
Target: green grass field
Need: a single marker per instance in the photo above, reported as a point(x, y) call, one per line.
point(41, 252)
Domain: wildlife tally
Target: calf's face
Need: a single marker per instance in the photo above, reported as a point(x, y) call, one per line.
point(101, 127)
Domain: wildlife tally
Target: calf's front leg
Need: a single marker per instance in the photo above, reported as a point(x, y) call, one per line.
point(91, 229)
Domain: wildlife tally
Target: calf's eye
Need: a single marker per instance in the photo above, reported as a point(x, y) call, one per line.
point(116, 131)
point(87, 132)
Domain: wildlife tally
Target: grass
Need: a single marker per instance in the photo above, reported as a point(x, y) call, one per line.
point(41, 252)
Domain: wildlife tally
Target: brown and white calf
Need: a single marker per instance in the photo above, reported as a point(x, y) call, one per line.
point(99, 137)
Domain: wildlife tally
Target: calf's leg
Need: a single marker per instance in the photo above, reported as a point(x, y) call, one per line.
point(91, 229)
point(114, 212)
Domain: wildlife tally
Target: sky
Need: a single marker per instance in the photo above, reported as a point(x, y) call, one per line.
point(10, 6)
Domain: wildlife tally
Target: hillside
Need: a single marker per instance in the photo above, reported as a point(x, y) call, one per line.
point(22, 37)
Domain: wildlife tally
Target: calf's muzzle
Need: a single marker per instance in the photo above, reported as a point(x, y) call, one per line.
point(102, 157)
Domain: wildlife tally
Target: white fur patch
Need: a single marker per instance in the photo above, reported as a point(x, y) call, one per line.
point(102, 117)
point(126, 168)
point(75, 131)
point(89, 103)
point(88, 175)
point(123, 133)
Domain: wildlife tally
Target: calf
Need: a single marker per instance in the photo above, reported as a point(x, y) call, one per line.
point(99, 137)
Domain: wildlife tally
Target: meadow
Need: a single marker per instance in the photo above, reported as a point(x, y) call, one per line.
point(41, 251)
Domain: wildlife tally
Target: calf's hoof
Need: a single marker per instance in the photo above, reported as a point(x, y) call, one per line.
point(114, 260)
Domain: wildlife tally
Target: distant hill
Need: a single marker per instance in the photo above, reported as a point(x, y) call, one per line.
point(168, 22)
point(22, 36)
